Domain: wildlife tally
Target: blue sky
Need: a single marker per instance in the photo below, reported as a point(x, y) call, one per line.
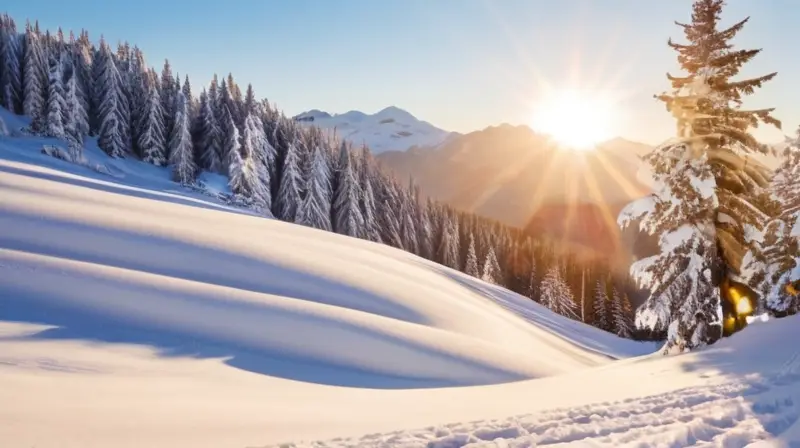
point(460, 64)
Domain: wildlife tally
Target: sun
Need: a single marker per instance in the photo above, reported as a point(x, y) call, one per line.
point(576, 120)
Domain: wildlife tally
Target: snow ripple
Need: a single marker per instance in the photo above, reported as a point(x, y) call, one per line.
point(732, 414)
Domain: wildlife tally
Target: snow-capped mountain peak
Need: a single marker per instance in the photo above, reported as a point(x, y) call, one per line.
point(390, 129)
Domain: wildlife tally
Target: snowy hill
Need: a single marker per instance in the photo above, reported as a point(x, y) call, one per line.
point(391, 129)
point(137, 313)
point(146, 302)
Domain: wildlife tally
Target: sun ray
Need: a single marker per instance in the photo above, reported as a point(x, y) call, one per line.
point(627, 186)
point(593, 187)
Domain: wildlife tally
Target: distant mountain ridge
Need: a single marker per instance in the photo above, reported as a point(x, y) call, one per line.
point(390, 129)
point(521, 178)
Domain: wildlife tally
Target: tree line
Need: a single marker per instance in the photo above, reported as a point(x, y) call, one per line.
point(72, 89)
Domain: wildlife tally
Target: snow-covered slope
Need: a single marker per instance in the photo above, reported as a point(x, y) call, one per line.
point(126, 298)
point(391, 129)
point(136, 313)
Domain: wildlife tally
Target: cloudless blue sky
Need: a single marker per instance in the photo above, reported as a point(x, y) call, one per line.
point(459, 64)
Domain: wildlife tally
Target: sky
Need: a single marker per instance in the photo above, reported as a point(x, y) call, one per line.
point(461, 65)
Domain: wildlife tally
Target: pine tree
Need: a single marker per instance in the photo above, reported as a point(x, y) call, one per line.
point(315, 210)
point(256, 147)
point(681, 279)
point(181, 153)
point(471, 265)
point(347, 218)
point(56, 108)
point(491, 268)
point(152, 139)
point(106, 83)
point(600, 306)
point(187, 93)
point(448, 250)
point(77, 124)
point(35, 79)
point(556, 295)
point(168, 97)
point(291, 185)
point(211, 137)
point(621, 314)
point(11, 72)
point(408, 229)
point(369, 207)
point(705, 179)
point(239, 177)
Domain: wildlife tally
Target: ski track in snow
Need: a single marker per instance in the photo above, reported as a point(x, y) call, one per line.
point(733, 414)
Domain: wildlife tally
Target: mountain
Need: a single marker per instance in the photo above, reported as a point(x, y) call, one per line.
point(521, 178)
point(391, 129)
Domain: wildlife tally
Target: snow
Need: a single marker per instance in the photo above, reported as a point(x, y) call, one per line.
point(136, 312)
point(391, 129)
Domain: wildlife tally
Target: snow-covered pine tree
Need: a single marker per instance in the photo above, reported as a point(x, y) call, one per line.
point(556, 295)
point(621, 314)
point(491, 268)
point(35, 78)
point(290, 191)
point(408, 229)
point(168, 96)
point(82, 56)
point(56, 107)
point(11, 72)
point(777, 266)
point(684, 298)
point(471, 264)
point(239, 177)
point(347, 218)
point(77, 124)
point(707, 188)
point(315, 209)
point(250, 101)
point(256, 148)
point(368, 206)
point(211, 134)
point(106, 87)
point(152, 138)
point(187, 93)
point(181, 153)
point(448, 250)
point(601, 306)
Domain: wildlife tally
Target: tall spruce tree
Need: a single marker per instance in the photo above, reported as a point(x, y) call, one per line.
point(315, 209)
point(56, 108)
point(601, 306)
point(491, 268)
point(621, 314)
point(77, 124)
point(35, 78)
point(707, 166)
point(11, 71)
point(556, 294)
point(151, 136)
point(347, 218)
point(181, 153)
point(290, 191)
point(471, 264)
point(107, 90)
